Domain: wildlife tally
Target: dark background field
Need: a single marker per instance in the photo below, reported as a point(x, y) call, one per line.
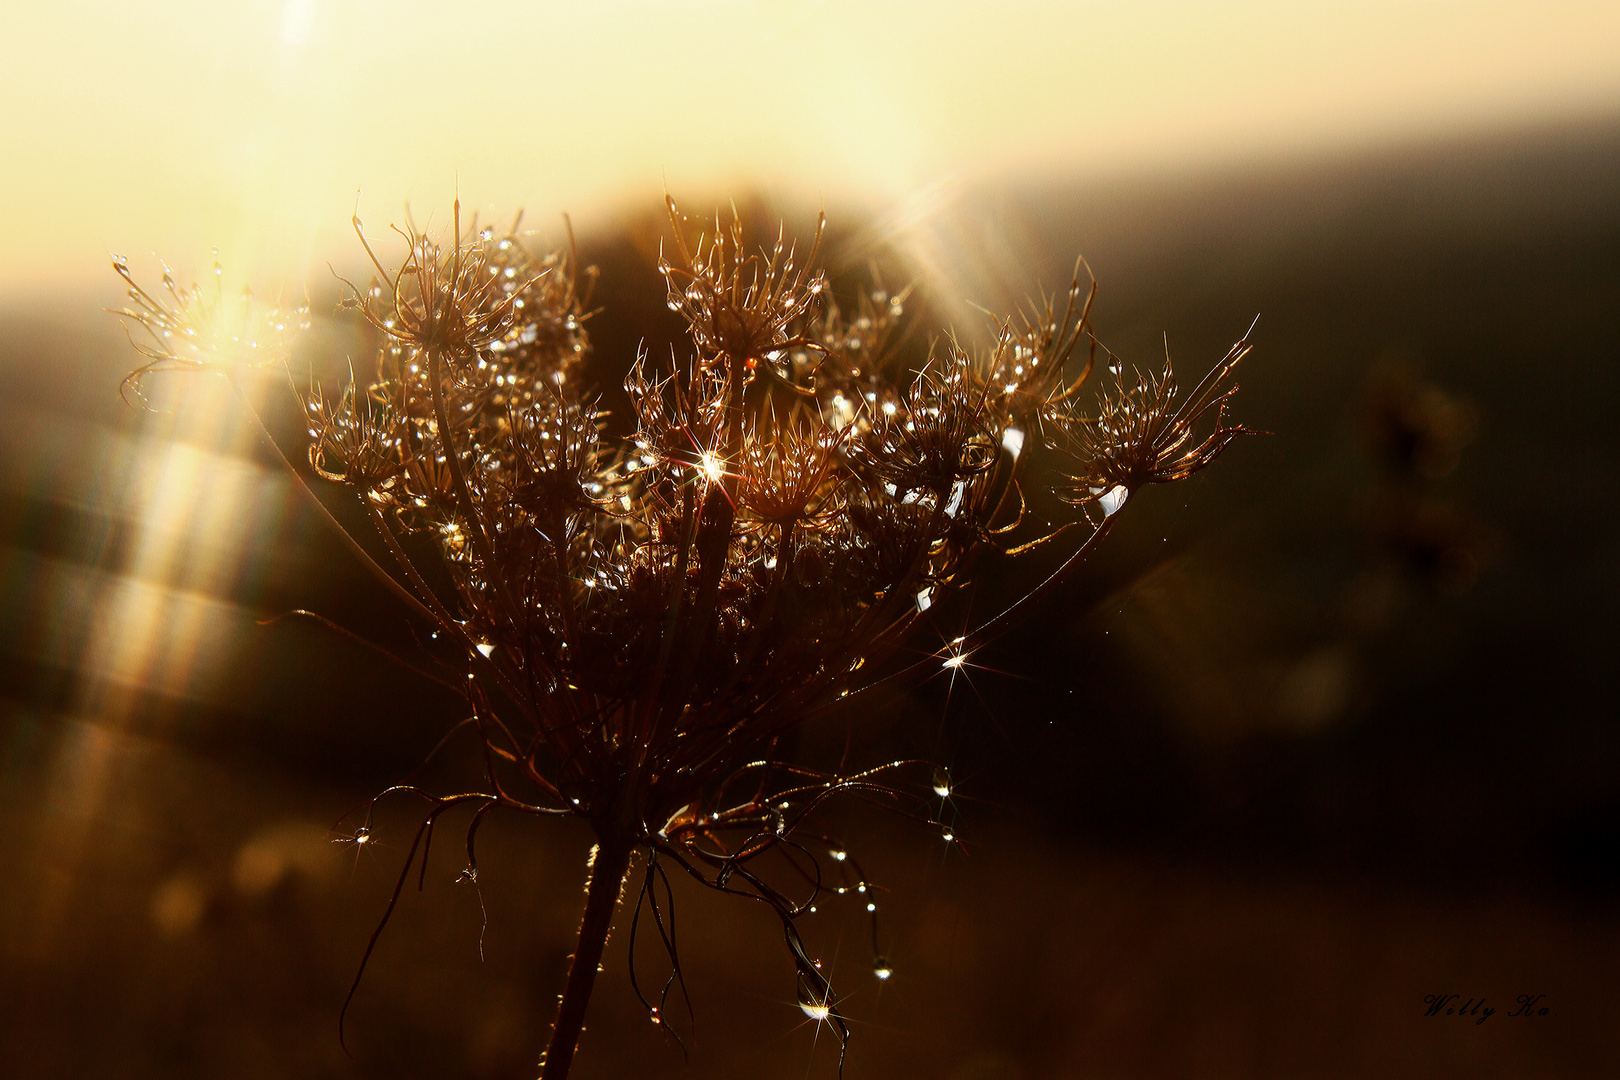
point(1325, 731)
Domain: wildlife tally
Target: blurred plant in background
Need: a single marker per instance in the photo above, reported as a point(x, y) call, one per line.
point(638, 622)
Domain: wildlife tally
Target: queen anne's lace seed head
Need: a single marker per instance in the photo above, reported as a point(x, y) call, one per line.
point(641, 619)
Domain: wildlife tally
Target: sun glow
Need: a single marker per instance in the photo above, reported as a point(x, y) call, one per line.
point(251, 126)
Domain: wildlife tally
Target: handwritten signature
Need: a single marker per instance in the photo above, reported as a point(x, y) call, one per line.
point(1446, 1005)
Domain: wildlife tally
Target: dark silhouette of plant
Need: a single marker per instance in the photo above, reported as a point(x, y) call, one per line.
point(640, 621)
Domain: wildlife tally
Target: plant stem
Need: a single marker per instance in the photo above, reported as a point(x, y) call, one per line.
point(608, 871)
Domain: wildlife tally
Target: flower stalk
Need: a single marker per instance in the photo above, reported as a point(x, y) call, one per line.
point(610, 865)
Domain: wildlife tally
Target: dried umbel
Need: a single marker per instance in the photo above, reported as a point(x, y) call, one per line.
point(640, 621)
point(1144, 434)
point(199, 329)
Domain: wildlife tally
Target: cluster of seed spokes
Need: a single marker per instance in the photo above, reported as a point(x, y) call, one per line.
point(355, 439)
point(1143, 435)
point(1029, 362)
point(741, 306)
point(454, 302)
point(790, 472)
point(946, 432)
point(681, 416)
point(198, 329)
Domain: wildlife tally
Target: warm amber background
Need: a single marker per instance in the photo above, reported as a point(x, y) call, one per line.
point(258, 126)
point(1272, 771)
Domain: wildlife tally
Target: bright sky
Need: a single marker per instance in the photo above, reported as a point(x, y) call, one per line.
point(177, 125)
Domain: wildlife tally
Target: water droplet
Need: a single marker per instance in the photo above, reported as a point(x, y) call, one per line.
point(942, 782)
point(882, 968)
point(945, 831)
point(839, 853)
point(1112, 499)
point(486, 649)
point(814, 1007)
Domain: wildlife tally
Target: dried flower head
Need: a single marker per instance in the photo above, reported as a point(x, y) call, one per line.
point(791, 471)
point(353, 439)
point(193, 328)
point(741, 306)
point(638, 621)
point(1141, 434)
point(456, 302)
point(1033, 351)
